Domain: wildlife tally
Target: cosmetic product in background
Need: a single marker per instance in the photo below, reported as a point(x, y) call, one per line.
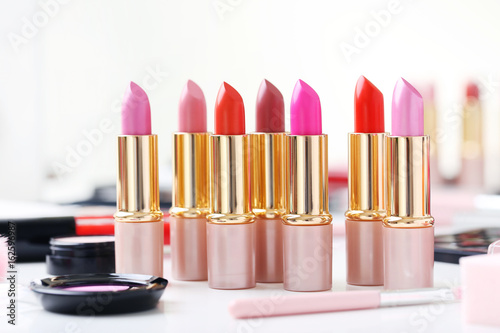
point(430, 129)
point(4, 258)
point(190, 192)
point(339, 301)
point(108, 293)
point(364, 239)
point(138, 221)
point(33, 234)
point(268, 156)
point(472, 168)
point(307, 230)
point(408, 227)
point(231, 223)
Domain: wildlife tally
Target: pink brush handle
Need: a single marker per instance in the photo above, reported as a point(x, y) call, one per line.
point(303, 304)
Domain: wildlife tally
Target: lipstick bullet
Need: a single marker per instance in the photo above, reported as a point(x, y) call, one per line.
point(408, 227)
point(231, 223)
point(307, 230)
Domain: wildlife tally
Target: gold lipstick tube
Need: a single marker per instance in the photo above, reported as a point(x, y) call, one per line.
point(364, 240)
point(231, 223)
point(307, 230)
point(268, 156)
point(472, 168)
point(190, 206)
point(408, 227)
point(139, 223)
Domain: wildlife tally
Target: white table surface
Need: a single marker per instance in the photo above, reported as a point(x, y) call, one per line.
point(194, 307)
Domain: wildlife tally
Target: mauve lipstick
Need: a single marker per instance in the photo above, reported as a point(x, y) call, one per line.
point(190, 190)
point(307, 230)
point(138, 220)
point(268, 156)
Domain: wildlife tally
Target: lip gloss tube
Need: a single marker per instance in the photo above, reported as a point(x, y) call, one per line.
point(269, 188)
point(408, 227)
point(231, 223)
point(364, 239)
point(190, 190)
point(307, 230)
point(139, 220)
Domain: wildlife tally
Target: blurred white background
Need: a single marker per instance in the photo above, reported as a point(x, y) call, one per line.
point(65, 65)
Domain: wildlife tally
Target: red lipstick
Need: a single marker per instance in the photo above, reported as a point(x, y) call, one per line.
point(368, 108)
point(231, 223)
point(229, 112)
point(364, 244)
point(270, 113)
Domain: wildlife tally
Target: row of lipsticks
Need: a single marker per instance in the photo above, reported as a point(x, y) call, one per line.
point(254, 208)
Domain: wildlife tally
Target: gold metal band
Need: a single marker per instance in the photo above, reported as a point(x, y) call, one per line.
point(408, 178)
point(191, 168)
point(230, 179)
point(366, 177)
point(308, 203)
point(268, 156)
point(137, 186)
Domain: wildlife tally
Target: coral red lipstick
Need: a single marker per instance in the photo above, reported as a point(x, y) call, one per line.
point(231, 223)
point(364, 239)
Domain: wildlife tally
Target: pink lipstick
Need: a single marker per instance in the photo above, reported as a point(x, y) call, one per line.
point(307, 230)
point(190, 191)
point(268, 156)
point(408, 228)
point(138, 221)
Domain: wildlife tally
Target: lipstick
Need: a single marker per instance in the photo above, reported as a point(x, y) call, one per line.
point(472, 169)
point(364, 239)
point(307, 230)
point(138, 220)
point(190, 191)
point(408, 228)
point(231, 223)
point(269, 191)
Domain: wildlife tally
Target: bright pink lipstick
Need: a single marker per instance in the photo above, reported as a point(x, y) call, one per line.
point(408, 228)
point(305, 111)
point(136, 112)
point(268, 156)
point(190, 190)
point(407, 110)
point(270, 112)
point(192, 109)
point(139, 220)
point(307, 230)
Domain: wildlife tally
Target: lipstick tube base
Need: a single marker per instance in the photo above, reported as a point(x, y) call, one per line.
point(231, 255)
point(189, 248)
point(269, 250)
point(365, 253)
point(139, 248)
point(408, 258)
point(307, 257)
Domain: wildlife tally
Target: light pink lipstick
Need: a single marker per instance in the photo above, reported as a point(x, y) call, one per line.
point(136, 112)
point(190, 190)
point(408, 228)
point(307, 230)
point(138, 220)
